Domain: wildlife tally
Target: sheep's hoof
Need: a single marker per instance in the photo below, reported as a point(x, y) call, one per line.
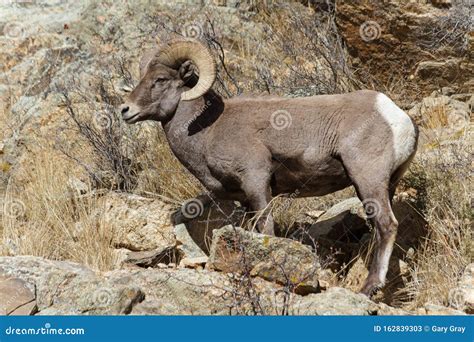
point(371, 287)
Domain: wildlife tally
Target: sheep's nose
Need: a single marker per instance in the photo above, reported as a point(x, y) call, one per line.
point(124, 109)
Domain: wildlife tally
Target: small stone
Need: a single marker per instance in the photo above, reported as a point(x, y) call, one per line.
point(448, 91)
point(77, 186)
point(335, 220)
point(193, 262)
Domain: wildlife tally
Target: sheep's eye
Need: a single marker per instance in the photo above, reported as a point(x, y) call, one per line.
point(160, 79)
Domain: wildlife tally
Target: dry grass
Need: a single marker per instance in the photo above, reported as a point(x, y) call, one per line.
point(47, 217)
point(437, 117)
point(443, 180)
point(162, 173)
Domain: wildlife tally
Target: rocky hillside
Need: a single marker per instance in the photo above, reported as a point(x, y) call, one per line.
point(424, 44)
point(92, 210)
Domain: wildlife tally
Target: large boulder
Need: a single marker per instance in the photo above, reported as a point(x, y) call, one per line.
point(279, 260)
point(338, 301)
point(66, 288)
point(145, 227)
point(195, 292)
point(445, 116)
point(139, 223)
point(70, 289)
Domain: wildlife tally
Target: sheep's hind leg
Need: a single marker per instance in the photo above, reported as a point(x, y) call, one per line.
point(373, 190)
point(378, 208)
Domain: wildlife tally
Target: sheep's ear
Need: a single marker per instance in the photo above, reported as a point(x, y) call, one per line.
point(187, 70)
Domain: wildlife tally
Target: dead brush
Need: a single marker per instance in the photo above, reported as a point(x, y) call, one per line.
point(442, 176)
point(50, 219)
point(117, 156)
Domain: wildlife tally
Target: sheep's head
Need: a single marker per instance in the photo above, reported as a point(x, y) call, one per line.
point(167, 76)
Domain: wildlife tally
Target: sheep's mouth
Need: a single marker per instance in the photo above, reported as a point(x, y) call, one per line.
point(132, 119)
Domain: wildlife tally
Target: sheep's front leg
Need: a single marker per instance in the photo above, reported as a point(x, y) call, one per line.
point(258, 192)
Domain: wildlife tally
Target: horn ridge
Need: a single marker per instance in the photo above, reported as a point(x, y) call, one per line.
point(176, 52)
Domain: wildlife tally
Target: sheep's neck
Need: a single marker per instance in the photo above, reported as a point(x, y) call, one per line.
point(186, 132)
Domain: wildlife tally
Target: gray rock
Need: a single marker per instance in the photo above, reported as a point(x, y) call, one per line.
point(339, 301)
point(70, 289)
point(15, 297)
point(279, 260)
point(185, 243)
point(343, 216)
point(140, 224)
point(152, 258)
point(215, 216)
point(335, 301)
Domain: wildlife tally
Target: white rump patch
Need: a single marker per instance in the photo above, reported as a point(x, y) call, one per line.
point(404, 135)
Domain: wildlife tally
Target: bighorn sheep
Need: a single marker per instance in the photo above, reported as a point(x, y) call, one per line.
point(252, 148)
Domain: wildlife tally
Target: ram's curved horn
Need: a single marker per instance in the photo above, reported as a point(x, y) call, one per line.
point(177, 52)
